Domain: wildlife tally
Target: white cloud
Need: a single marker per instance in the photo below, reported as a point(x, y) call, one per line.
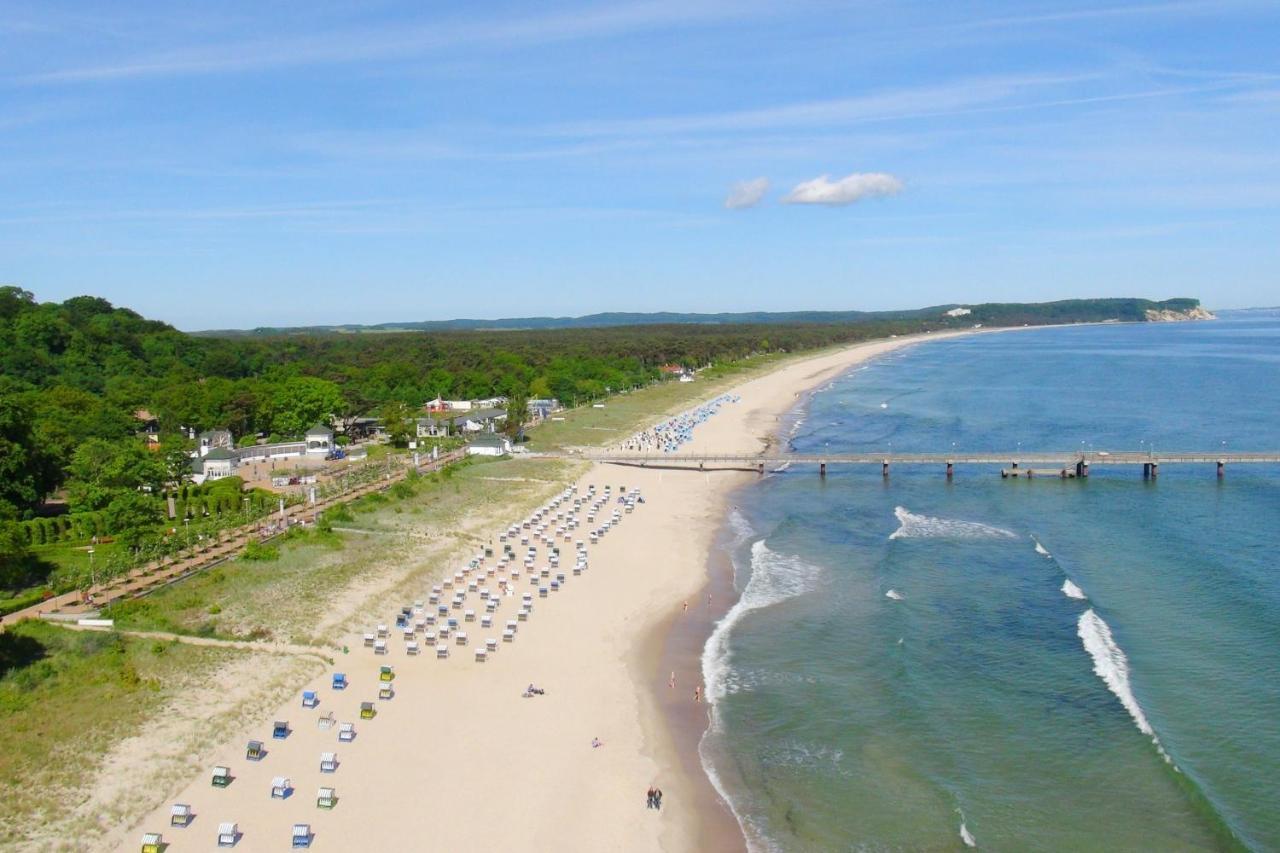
point(846, 190)
point(747, 194)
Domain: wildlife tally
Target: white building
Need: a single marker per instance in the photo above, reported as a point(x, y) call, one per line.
point(319, 440)
point(215, 464)
point(489, 445)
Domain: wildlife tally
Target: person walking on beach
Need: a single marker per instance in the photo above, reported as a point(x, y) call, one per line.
point(648, 803)
point(657, 798)
point(672, 682)
point(686, 605)
point(697, 693)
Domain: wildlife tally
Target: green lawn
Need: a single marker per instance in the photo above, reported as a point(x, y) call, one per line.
point(626, 414)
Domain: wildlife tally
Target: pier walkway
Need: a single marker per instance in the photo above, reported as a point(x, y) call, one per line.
point(1066, 463)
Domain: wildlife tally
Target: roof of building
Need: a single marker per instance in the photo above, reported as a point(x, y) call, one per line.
point(319, 429)
point(490, 440)
point(219, 453)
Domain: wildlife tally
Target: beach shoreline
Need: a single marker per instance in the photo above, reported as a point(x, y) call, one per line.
point(458, 736)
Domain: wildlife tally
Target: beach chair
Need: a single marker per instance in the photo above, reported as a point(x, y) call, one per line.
point(408, 633)
point(327, 798)
point(386, 691)
point(481, 655)
point(555, 586)
point(442, 651)
point(577, 568)
point(444, 632)
point(152, 842)
point(491, 606)
point(380, 647)
point(411, 647)
point(301, 835)
point(228, 834)
point(401, 620)
point(346, 732)
point(367, 711)
point(491, 644)
point(468, 616)
point(309, 699)
point(280, 729)
point(254, 751)
point(382, 630)
point(453, 624)
point(542, 592)
point(281, 788)
point(221, 776)
point(368, 639)
point(386, 673)
point(339, 681)
point(461, 638)
point(508, 636)
point(522, 614)
point(429, 638)
point(442, 610)
point(328, 762)
point(180, 814)
point(325, 722)
point(486, 621)
point(433, 598)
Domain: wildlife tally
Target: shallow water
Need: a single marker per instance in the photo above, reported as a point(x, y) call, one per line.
point(1046, 664)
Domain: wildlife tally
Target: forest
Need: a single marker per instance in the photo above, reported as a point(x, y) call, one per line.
point(73, 374)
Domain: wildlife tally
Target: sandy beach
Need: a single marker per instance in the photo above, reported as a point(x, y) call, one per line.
point(458, 760)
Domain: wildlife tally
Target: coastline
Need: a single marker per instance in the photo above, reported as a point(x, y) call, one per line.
point(680, 642)
point(513, 773)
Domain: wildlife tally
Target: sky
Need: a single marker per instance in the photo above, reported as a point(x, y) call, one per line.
point(223, 165)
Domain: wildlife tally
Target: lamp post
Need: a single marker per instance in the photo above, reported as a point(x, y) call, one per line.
point(92, 584)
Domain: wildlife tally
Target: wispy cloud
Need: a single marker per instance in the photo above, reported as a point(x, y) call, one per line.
point(844, 191)
point(746, 194)
point(409, 41)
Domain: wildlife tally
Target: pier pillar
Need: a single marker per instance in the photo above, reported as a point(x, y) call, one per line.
point(884, 468)
point(1155, 470)
point(950, 469)
point(760, 470)
point(822, 469)
point(1014, 465)
point(1029, 472)
point(1222, 468)
point(1146, 470)
point(1085, 468)
point(700, 466)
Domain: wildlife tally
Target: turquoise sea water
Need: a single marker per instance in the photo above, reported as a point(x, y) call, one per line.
point(910, 666)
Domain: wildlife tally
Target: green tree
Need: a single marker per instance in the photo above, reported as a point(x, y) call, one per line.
point(18, 568)
point(397, 422)
point(100, 470)
point(517, 412)
point(131, 516)
point(27, 473)
point(302, 401)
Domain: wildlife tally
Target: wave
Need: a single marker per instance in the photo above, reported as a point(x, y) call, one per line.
point(966, 836)
point(1040, 549)
point(742, 528)
point(912, 526)
point(774, 578)
point(894, 594)
point(1112, 666)
point(1070, 590)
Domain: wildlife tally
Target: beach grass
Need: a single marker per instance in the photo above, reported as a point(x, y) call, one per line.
point(67, 697)
point(393, 541)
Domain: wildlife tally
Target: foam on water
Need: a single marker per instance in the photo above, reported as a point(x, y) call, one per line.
point(894, 594)
point(1070, 590)
point(774, 578)
point(1112, 666)
point(912, 526)
point(1040, 549)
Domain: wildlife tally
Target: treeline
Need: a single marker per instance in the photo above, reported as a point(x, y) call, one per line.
point(73, 375)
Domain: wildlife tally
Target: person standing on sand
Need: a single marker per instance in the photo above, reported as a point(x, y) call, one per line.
point(672, 682)
point(697, 693)
point(686, 605)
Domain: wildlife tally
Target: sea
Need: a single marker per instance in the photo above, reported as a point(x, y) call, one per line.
point(1047, 664)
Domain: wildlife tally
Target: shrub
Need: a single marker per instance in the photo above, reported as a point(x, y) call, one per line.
point(260, 552)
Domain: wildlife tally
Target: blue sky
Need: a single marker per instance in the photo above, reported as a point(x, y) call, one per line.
point(218, 164)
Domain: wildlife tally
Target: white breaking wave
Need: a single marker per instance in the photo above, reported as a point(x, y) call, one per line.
point(1070, 590)
point(774, 578)
point(1040, 549)
point(741, 527)
point(894, 594)
point(966, 836)
point(1112, 666)
point(912, 526)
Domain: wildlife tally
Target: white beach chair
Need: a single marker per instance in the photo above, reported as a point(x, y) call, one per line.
point(461, 638)
point(346, 732)
point(180, 814)
point(328, 762)
point(491, 644)
point(442, 651)
point(280, 788)
point(228, 834)
point(411, 647)
point(508, 636)
point(481, 655)
point(486, 621)
point(380, 647)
